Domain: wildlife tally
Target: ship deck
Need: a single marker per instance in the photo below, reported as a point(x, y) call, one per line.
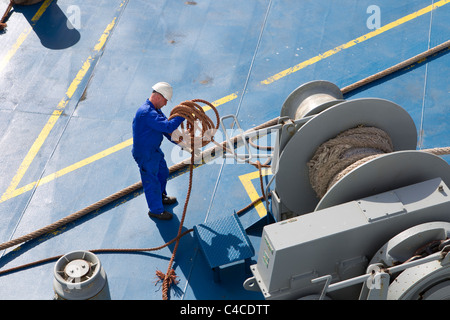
point(73, 74)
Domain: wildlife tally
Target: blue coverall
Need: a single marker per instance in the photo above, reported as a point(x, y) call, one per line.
point(149, 126)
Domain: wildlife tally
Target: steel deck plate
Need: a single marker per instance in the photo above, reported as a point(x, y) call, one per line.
point(73, 74)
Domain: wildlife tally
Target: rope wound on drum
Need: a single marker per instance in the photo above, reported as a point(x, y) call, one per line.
point(336, 157)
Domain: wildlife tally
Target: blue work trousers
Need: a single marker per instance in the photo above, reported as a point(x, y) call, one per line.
point(154, 174)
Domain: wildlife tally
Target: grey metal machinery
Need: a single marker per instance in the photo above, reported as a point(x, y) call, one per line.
point(380, 232)
point(79, 275)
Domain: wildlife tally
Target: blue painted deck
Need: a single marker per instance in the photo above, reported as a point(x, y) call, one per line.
point(73, 73)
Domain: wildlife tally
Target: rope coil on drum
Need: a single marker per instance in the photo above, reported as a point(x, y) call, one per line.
point(337, 156)
point(347, 151)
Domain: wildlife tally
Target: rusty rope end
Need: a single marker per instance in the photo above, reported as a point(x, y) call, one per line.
point(171, 277)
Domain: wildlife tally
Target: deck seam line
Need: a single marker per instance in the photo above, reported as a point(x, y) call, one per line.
point(234, 95)
point(422, 116)
point(93, 61)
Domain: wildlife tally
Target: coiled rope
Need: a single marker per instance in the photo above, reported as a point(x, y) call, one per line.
point(196, 118)
point(327, 165)
point(350, 149)
point(217, 151)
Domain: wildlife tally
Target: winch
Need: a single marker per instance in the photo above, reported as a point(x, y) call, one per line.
point(353, 201)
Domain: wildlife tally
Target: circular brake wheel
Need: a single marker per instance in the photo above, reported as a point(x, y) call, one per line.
point(429, 280)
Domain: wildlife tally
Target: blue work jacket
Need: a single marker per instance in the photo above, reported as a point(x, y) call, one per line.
point(149, 127)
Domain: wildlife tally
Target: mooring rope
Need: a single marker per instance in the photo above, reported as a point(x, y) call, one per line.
point(196, 118)
point(350, 149)
point(217, 150)
point(397, 67)
point(113, 250)
point(3, 24)
point(337, 154)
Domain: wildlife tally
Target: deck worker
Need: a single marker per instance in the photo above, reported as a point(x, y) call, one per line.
point(149, 126)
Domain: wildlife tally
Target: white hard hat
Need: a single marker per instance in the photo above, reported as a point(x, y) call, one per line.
point(164, 89)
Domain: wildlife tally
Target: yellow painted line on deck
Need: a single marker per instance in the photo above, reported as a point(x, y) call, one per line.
point(353, 42)
point(31, 154)
point(24, 34)
point(221, 101)
point(75, 166)
point(12, 192)
point(18, 191)
point(56, 114)
point(40, 12)
point(246, 181)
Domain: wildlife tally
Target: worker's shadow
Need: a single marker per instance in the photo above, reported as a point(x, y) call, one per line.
point(169, 228)
point(188, 246)
point(225, 245)
point(53, 28)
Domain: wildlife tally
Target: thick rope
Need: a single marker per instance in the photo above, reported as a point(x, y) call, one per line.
point(3, 24)
point(350, 149)
point(435, 151)
point(115, 250)
point(397, 67)
point(438, 151)
point(195, 119)
point(338, 153)
point(217, 151)
point(74, 216)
